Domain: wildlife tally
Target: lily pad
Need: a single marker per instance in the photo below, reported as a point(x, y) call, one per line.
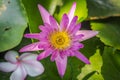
point(92, 71)
point(13, 22)
point(109, 31)
point(111, 70)
point(103, 8)
point(81, 9)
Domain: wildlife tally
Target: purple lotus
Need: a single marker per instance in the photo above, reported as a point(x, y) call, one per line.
point(59, 40)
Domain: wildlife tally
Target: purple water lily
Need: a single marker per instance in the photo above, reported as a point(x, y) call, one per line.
point(59, 41)
point(23, 65)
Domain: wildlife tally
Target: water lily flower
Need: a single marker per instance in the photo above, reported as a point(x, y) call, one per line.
point(59, 41)
point(21, 66)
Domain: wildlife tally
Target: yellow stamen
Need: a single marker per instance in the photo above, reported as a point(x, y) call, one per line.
point(60, 40)
point(17, 57)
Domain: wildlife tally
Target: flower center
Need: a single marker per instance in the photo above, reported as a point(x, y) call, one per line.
point(17, 57)
point(60, 40)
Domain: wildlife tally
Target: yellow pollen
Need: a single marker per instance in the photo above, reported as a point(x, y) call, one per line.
point(17, 57)
point(60, 40)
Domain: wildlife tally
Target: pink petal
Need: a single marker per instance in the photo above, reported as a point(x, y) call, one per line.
point(81, 57)
point(62, 54)
point(64, 22)
point(54, 55)
point(72, 24)
point(11, 56)
point(77, 37)
point(44, 54)
point(40, 26)
point(35, 36)
point(28, 56)
point(18, 74)
point(70, 52)
point(53, 23)
point(33, 68)
point(44, 35)
point(50, 28)
point(61, 65)
point(44, 44)
point(87, 34)
point(7, 67)
point(44, 14)
point(44, 28)
point(77, 46)
point(76, 28)
point(72, 11)
point(31, 47)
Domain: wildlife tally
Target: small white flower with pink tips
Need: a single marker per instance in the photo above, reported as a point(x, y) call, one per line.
point(21, 66)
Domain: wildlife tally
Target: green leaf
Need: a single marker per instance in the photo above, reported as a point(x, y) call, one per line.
point(92, 71)
point(13, 22)
point(4, 76)
point(53, 4)
point(109, 31)
point(34, 18)
point(103, 8)
point(110, 69)
point(81, 9)
point(91, 45)
point(24, 42)
point(116, 58)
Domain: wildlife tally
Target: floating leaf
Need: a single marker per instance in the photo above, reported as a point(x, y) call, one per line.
point(13, 22)
point(103, 8)
point(109, 31)
point(81, 9)
point(92, 71)
point(110, 69)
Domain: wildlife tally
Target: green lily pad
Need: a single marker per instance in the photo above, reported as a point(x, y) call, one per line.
point(109, 31)
point(103, 8)
point(81, 9)
point(13, 22)
point(110, 70)
point(92, 71)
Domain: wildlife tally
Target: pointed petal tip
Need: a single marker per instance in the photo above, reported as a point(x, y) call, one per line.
point(38, 58)
point(96, 32)
point(72, 11)
point(21, 50)
point(39, 6)
point(87, 34)
point(88, 62)
point(74, 4)
point(44, 13)
point(61, 75)
point(26, 35)
point(61, 65)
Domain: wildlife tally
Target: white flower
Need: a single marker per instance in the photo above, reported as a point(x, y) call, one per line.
point(21, 66)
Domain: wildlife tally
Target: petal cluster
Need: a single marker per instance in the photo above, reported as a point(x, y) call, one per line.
point(59, 40)
point(21, 66)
